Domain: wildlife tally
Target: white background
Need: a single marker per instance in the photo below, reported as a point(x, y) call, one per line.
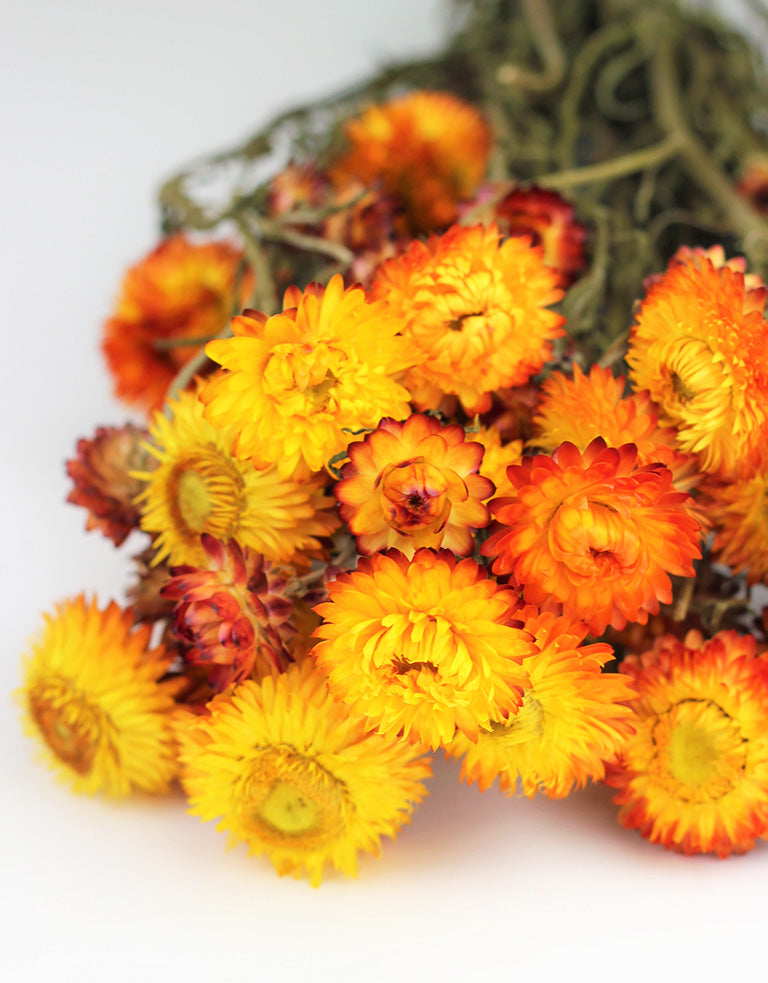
point(99, 103)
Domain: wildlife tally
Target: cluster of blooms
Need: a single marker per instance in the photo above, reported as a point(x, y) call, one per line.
point(350, 559)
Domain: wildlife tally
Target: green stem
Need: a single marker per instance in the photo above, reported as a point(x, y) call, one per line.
point(618, 167)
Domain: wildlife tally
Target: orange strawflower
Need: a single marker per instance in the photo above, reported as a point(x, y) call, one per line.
point(170, 304)
point(298, 384)
point(476, 310)
point(426, 646)
point(595, 405)
point(700, 346)
point(233, 616)
point(549, 221)
point(694, 777)
point(427, 150)
point(414, 484)
point(572, 718)
point(102, 479)
point(595, 533)
point(738, 512)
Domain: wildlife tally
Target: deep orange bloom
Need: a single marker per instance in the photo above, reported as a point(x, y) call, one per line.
point(476, 310)
point(595, 533)
point(423, 646)
point(414, 484)
point(298, 383)
point(700, 346)
point(738, 512)
point(581, 408)
point(753, 183)
point(548, 220)
point(233, 616)
point(428, 151)
point(572, 719)
point(170, 304)
point(103, 485)
point(694, 777)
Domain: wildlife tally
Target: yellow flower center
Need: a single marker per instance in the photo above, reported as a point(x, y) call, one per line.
point(590, 538)
point(69, 725)
point(700, 753)
point(415, 496)
point(288, 798)
point(694, 381)
point(527, 725)
point(205, 495)
point(309, 373)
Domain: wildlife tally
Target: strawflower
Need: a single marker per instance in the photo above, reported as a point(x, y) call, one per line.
point(102, 477)
point(93, 695)
point(476, 309)
point(699, 345)
point(170, 304)
point(232, 615)
point(414, 484)
point(425, 646)
point(288, 771)
point(594, 533)
point(199, 487)
point(572, 718)
point(427, 150)
point(738, 512)
point(298, 384)
point(694, 777)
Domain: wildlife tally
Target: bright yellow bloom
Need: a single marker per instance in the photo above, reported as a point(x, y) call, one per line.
point(414, 484)
point(298, 383)
point(92, 693)
point(294, 776)
point(423, 647)
point(694, 777)
point(428, 150)
point(476, 310)
point(571, 720)
point(199, 487)
point(700, 346)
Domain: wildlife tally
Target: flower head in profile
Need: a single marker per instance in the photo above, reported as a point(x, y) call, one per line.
point(572, 719)
point(93, 696)
point(700, 347)
point(414, 484)
point(427, 150)
point(738, 512)
point(288, 771)
point(549, 221)
point(298, 384)
point(694, 777)
point(232, 615)
point(102, 477)
point(170, 304)
point(476, 309)
point(199, 487)
point(425, 646)
point(594, 533)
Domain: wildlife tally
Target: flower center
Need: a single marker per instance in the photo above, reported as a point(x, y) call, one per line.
point(527, 724)
point(68, 724)
point(700, 750)
point(309, 374)
point(415, 497)
point(205, 494)
point(693, 376)
point(288, 798)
